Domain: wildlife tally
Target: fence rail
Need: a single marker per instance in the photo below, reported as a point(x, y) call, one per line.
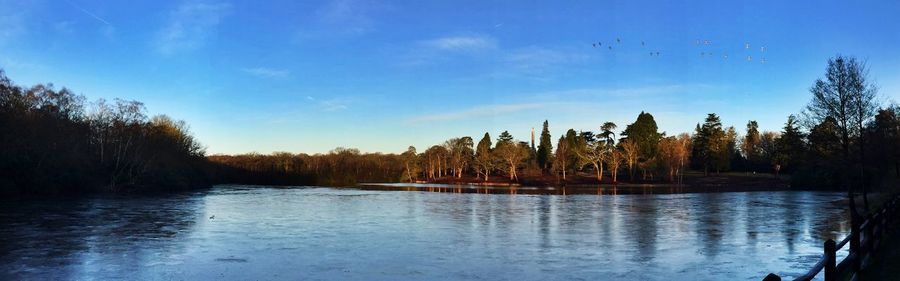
point(864, 239)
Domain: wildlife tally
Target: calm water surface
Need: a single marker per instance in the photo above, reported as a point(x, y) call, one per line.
point(313, 233)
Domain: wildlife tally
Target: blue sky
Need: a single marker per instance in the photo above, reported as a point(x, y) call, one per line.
point(308, 76)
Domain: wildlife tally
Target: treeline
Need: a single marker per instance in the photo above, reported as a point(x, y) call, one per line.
point(56, 143)
point(339, 167)
point(843, 136)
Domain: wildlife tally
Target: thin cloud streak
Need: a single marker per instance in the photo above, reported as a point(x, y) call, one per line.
point(565, 100)
point(264, 72)
point(461, 43)
point(340, 19)
point(479, 111)
point(347, 16)
point(335, 104)
point(86, 12)
point(444, 49)
point(190, 25)
point(537, 62)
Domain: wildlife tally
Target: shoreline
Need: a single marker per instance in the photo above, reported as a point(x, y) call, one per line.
point(691, 179)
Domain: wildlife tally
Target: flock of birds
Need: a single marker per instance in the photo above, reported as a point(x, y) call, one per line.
point(704, 52)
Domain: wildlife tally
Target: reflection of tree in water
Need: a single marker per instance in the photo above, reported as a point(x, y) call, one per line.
point(57, 234)
point(543, 221)
point(793, 220)
point(755, 220)
point(643, 226)
point(709, 210)
point(40, 234)
point(485, 217)
point(833, 222)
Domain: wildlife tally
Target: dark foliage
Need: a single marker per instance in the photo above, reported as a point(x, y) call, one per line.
point(53, 144)
point(339, 167)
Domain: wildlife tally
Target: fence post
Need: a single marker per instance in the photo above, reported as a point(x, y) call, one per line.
point(854, 239)
point(830, 260)
point(870, 234)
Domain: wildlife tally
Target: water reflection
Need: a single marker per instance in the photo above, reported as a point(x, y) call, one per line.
point(563, 190)
point(445, 234)
point(56, 240)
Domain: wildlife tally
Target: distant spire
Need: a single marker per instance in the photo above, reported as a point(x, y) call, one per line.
point(532, 138)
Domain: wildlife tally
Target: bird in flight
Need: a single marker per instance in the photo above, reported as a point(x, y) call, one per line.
point(762, 49)
point(642, 43)
point(610, 48)
point(747, 46)
point(618, 40)
point(749, 58)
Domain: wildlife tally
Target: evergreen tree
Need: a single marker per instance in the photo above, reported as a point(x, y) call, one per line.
point(504, 138)
point(607, 134)
point(731, 156)
point(790, 148)
point(545, 148)
point(750, 146)
point(710, 144)
point(645, 134)
point(572, 142)
point(824, 158)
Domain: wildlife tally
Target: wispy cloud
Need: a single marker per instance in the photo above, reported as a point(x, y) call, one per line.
point(66, 27)
point(461, 43)
point(86, 12)
point(190, 26)
point(445, 49)
point(492, 60)
point(621, 93)
point(13, 21)
point(534, 62)
point(478, 111)
point(567, 101)
point(265, 72)
point(341, 19)
point(657, 90)
point(334, 104)
point(349, 16)
point(11, 64)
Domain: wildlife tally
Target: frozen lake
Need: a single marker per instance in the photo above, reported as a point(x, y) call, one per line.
point(316, 233)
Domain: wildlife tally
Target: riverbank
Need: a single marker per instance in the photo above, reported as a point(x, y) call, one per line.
point(690, 179)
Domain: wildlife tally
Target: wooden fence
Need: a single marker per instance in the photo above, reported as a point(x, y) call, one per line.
point(864, 239)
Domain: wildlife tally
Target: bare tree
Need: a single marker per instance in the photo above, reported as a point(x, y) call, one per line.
point(849, 97)
point(683, 154)
point(630, 153)
point(484, 158)
point(614, 161)
point(410, 162)
point(512, 154)
point(593, 154)
point(561, 162)
point(460, 154)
